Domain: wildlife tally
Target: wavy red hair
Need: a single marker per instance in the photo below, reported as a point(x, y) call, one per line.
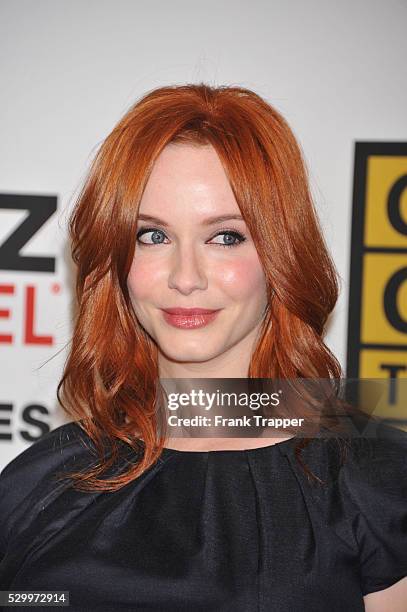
point(109, 379)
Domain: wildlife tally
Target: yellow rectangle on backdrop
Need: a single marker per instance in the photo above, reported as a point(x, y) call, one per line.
point(382, 302)
point(383, 175)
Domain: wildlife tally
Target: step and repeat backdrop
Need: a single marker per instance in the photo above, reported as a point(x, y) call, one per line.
point(377, 313)
point(68, 76)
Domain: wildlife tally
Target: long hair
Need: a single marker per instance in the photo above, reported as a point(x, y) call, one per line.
point(109, 381)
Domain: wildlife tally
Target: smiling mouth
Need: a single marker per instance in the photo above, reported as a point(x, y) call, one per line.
point(189, 318)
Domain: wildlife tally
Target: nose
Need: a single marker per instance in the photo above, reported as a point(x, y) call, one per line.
point(186, 270)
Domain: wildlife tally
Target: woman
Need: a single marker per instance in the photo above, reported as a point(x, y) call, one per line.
point(199, 199)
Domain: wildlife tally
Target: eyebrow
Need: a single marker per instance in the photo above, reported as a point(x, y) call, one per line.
point(208, 221)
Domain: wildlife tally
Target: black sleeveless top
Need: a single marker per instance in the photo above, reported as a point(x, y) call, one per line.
point(209, 531)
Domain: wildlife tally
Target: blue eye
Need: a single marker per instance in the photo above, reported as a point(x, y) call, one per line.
point(234, 238)
point(155, 233)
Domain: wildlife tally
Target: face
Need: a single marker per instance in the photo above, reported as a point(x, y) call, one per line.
point(186, 259)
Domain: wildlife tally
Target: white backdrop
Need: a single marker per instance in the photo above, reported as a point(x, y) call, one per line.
point(71, 68)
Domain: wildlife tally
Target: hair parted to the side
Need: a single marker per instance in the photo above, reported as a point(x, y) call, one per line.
point(110, 376)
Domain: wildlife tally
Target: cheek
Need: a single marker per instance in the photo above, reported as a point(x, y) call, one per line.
point(243, 279)
point(142, 279)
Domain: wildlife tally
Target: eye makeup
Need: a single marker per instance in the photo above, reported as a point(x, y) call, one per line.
point(238, 237)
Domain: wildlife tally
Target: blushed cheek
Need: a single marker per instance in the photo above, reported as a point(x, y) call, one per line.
point(141, 280)
point(243, 279)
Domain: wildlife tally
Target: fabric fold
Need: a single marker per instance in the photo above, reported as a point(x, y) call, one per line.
point(217, 531)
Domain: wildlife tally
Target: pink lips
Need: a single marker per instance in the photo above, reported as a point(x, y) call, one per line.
point(189, 318)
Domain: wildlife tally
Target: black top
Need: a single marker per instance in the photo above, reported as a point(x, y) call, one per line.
point(214, 531)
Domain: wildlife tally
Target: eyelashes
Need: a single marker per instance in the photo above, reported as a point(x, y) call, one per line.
point(238, 237)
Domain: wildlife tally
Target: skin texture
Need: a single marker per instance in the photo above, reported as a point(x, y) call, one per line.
point(190, 268)
point(393, 599)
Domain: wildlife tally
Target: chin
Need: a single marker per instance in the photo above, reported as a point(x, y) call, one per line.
point(187, 354)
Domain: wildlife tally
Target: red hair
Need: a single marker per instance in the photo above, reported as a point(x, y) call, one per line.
point(109, 379)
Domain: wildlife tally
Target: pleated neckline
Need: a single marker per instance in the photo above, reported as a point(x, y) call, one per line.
point(285, 444)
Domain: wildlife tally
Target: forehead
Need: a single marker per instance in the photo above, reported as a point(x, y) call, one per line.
point(188, 177)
